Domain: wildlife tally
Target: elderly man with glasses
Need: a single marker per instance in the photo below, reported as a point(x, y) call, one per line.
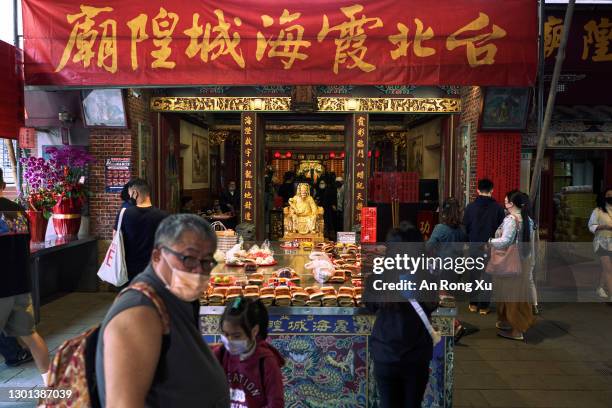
point(148, 358)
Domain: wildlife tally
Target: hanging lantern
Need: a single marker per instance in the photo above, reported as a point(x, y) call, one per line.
point(377, 153)
point(288, 155)
point(27, 138)
point(369, 153)
point(342, 155)
point(332, 155)
point(277, 155)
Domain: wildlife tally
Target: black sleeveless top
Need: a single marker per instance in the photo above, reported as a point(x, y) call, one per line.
point(188, 374)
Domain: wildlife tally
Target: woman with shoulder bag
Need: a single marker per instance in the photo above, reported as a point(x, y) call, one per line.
point(402, 340)
point(600, 224)
point(512, 286)
point(447, 240)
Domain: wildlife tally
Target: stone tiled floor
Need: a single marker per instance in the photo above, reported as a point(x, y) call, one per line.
point(565, 363)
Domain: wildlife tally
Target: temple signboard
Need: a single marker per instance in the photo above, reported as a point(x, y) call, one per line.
point(380, 42)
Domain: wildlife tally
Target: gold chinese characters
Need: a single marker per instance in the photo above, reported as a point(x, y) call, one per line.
point(171, 39)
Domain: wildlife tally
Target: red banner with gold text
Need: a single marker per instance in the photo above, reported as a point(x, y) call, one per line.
point(160, 42)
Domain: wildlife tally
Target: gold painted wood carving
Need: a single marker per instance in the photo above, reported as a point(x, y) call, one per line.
point(220, 104)
point(389, 105)
point(324, 104)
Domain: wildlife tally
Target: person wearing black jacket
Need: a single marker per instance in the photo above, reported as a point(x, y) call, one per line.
point(230, 199)
point(401, 345)
point(481, 219)
point(327, 198)
point(287, 190)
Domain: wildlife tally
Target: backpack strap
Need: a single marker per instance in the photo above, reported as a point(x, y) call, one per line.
point(262, 377)
point(159, 304)
point(221, 354)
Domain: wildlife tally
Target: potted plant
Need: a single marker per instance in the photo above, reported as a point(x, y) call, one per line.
point(70, 193)
point(41, 177)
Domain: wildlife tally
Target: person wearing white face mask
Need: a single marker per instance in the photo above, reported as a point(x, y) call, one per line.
point(252, 365)
point(141, 363)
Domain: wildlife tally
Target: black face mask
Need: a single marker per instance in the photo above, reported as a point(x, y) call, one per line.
point(609, 200)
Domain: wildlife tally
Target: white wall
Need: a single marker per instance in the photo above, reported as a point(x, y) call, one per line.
point(187, 131)
point(78, 137)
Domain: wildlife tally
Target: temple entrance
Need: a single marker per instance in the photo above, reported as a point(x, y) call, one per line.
point(402, 154)
point(388, 148)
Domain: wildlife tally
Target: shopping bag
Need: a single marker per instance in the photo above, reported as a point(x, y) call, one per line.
point(113, 269)
point(506, 262)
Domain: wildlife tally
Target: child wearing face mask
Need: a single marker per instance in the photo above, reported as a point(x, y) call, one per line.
point(252, 365)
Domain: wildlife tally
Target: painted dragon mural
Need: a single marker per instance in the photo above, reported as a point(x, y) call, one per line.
point(326, 371)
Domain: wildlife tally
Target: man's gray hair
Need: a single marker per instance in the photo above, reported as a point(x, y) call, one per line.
point(174, 226)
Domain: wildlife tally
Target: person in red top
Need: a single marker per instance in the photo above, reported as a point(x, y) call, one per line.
point(252, 365)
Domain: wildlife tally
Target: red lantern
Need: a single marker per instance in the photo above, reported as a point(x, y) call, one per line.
point(288, 155)
point(377, 153)
point(332, 155)
point(369, 153)
point(277, 155)
point(27, 138)
point(342, 155)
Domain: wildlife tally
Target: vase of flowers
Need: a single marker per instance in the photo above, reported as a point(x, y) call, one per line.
point(40, 178)
point(70, 193)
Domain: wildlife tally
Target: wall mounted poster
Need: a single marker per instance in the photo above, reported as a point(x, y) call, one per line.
point(200, 159)
point(117, 172)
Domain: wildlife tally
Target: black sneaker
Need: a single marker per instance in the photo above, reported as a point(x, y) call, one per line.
point(23, 357)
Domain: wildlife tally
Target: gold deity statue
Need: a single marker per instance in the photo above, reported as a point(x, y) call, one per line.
point(302, 216)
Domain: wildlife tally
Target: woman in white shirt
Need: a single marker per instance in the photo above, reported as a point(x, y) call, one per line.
point(515, 295)
point(600, 225)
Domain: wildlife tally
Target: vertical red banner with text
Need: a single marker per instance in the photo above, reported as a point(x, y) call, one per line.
point(248, 183)
point(360, 143)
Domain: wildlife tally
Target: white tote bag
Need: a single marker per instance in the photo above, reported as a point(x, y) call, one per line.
point(436, 337)
point(113, 269)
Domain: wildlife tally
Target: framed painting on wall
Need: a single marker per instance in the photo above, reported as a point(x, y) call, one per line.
point(200, 159)
point(504, 109)
point(415, 155)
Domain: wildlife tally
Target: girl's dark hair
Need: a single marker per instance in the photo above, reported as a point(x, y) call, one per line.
point(396, 243)
point(451, 213)
point(405, 232)
point(521, 200)
point(247, 313)
point(601, 199)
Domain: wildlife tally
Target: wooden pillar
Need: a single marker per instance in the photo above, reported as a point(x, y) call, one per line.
point(252, 172)
point(356, 148)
